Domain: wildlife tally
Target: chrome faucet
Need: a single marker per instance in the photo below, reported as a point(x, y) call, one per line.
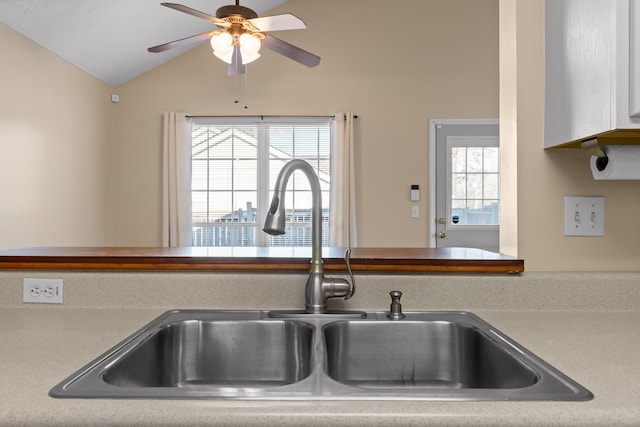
point(318, 288)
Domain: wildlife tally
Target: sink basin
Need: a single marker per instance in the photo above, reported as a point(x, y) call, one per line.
point(414, 354)
point(217, 353)
point(212, 354)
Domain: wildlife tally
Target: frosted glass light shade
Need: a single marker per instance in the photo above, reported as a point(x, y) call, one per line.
point(222, 45)
point(226, 57)
point(249, 47)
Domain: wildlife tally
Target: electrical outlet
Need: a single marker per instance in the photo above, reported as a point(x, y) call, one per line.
point(583, 216)
point(46, 291)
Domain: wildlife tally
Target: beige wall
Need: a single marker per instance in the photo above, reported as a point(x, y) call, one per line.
point(54, 133)
point(61, 138)
point(545, 177)
point(394, 77)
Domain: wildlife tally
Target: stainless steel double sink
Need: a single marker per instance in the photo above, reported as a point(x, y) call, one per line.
point(187, 354)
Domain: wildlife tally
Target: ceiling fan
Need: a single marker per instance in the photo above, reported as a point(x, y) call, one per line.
point(241, 35)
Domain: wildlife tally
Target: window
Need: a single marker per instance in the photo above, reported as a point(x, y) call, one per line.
point(475, 185)
point(235, 162)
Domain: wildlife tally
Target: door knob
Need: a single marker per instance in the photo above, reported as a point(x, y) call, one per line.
point(442, 221)
point(442, 234)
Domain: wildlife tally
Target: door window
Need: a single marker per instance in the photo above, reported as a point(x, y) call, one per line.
point(473, 196)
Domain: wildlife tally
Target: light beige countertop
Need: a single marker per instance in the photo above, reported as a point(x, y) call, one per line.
point(43, 345)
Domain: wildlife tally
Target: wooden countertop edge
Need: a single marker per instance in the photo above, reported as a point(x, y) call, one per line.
point(363, 260)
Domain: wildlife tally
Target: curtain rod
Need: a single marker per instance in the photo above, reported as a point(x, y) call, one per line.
point(262, 116)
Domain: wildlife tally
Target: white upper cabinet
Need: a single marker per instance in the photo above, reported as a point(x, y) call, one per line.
point(592, 71)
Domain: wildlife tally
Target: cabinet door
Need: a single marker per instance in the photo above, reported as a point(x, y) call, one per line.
point(578, 68)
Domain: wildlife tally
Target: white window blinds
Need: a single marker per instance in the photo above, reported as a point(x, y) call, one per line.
point(235, 162)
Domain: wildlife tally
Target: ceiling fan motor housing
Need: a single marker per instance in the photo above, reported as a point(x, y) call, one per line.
point(226, 11)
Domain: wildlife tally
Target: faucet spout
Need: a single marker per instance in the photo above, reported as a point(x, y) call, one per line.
point(318, 288)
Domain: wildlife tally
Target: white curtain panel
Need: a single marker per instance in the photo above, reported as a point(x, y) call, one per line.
point(342, 223)
point(176, 180)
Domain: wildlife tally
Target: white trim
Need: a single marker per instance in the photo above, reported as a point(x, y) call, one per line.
point(433, 123)
point(634, 58)
point(263, 184)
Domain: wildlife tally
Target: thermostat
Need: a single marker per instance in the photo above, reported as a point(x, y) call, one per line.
point(415, 192)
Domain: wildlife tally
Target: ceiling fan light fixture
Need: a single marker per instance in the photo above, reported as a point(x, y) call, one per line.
point(221, 41)
point(249, 47)
point(237, 22)
point(249, 58)
point(222, 44)
point(249, 43)
point(226, 56)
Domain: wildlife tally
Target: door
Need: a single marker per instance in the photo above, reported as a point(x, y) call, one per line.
point(467, 176)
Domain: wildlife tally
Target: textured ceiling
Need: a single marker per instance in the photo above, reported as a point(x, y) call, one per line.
point(109, 38)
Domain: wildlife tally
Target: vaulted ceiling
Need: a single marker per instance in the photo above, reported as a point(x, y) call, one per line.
point(109, 38)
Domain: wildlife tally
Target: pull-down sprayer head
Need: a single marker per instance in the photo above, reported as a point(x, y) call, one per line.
point(275, 221)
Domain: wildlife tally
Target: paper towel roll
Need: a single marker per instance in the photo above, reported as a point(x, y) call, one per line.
point(624, 163)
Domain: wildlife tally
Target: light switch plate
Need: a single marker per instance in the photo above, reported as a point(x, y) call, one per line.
point(583, 216)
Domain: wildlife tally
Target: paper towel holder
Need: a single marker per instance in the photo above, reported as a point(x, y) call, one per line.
point(592, 147)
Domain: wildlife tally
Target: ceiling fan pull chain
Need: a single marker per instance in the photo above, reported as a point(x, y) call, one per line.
point(246, 88)
point(237, 87)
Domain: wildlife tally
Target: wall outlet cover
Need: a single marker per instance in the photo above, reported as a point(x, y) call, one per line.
point(43, 291)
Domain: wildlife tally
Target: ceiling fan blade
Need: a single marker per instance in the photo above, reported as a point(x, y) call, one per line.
point(282, 22)
point(181, 42)
point(196, 13)
point(236, 67)
point(291, 51)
